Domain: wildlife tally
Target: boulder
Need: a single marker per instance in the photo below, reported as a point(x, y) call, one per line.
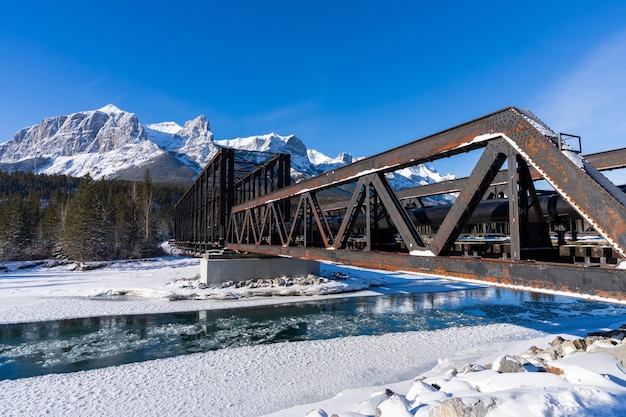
point(557, 341)
point(549, 354)
point(572, 346)
point(418, 388)
point(472, 368)
point(458, 407)
point(507, 364)
point(557, 346)
point(394, 406)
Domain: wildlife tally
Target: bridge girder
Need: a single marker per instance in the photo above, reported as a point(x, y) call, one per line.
point(520, 137)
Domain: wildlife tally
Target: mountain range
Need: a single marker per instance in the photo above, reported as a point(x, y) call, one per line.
point(111, 143)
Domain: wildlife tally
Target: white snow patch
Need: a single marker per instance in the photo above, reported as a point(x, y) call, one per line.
point(318, 158)
point(537, 123)
point(110, 108)
point(422, 253)
point(165, 135)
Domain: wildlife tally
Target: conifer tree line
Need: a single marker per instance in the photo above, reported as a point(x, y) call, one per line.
point(55, 216)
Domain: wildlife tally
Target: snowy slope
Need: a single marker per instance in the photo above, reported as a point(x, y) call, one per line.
point(166, 134)
point(98, 142)
point(112, 143)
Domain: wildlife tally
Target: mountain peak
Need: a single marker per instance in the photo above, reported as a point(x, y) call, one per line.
point(112, 143)
point(200, 123)
point(110, 108)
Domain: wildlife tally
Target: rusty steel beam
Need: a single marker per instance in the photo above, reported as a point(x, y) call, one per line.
point(397, 213)
point(450, 142)
point(361, 193)
point(602, 281)
point(310, 200)
point(603, 161)
point(485, 170)
point(595, 198)
point(441, 145)
point(273, 216)
point(608, 160)
point(599, 201)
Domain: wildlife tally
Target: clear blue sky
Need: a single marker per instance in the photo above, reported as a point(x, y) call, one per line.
point(355, 76)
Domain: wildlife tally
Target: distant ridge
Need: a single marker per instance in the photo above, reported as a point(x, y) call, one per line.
point(111, 143)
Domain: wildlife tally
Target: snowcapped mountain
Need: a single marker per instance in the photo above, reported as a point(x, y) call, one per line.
point(112, 143)
point(107, 142)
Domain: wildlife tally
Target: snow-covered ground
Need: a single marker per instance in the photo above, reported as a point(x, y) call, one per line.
point(346, 376)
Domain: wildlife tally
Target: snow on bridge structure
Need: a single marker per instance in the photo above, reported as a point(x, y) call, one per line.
point(500, 228)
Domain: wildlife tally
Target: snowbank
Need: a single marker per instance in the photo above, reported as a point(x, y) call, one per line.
point(248, 381)
point(350, 376)
point(42, 293)
point(589, 383)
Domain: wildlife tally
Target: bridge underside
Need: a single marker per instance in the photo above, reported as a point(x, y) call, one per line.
point(499, 228)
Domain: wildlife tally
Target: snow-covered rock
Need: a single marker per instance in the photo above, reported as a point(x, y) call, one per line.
point(102, 143)
point(112, 143)
point(98, 131)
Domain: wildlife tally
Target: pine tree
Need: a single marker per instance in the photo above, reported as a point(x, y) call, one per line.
point(10, 224)
point(29, 218)
point(147, 213)
point(147, 205)
point(82, 237)
point(105, 248)
point(52, 222)
point(127, 231)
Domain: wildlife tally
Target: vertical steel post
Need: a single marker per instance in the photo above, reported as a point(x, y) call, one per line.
point(514, 215)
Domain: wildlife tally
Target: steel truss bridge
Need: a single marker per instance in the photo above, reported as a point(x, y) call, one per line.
point(499, 228)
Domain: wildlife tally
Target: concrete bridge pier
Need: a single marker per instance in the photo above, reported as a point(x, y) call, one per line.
point(218, 269)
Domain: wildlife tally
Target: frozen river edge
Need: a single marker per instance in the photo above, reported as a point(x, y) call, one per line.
point(248, 381)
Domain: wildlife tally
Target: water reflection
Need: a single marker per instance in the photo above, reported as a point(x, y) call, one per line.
point(87, 343)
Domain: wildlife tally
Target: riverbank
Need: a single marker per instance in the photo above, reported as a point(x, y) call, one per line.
point(169, 284)
point(286, 379)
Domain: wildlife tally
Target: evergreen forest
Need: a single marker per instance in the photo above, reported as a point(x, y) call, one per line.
point(55, 216)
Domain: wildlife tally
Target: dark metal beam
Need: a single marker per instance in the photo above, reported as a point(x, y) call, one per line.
point(361, 193)
point(599, 281)
point(599, 201)
point(608, 160)
point(603, 161)
point(450, 142)
point(398, 214)
point(487, 167)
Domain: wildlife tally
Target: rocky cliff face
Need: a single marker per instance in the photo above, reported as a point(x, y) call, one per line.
point(110, 143)
point(102, 130)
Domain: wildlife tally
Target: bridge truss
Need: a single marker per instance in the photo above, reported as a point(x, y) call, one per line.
point(376, 228)
point(231, 177)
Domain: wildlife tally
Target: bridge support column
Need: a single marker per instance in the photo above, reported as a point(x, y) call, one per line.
point(216, 270)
